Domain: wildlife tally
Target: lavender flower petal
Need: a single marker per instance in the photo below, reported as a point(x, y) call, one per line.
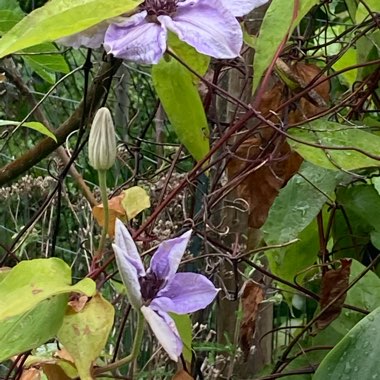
point(136, 40)
point(165, 330)
point(240, 8)
point(124, 241)
point(185, 293)
point(91, 38)
point(207, 26)
point(168, 256)
point(129, 276)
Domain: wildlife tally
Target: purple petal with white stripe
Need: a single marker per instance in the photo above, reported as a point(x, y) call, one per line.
point(136, 40)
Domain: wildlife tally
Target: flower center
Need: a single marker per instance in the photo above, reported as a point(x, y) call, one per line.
point(160, 7)
point(150, 285)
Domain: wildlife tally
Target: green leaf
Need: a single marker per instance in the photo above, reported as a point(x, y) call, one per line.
point(355, 356)
point(185, 329)
point(35, 125)
point(32, 327)
point(352, 229)
point(362, 202)
point(362, 10)
point(290, 261)
point(298, 203)
point(346, 60)
point(10, 15)
point(183, 105)
point(45, 64)
point(351, 7)
point(196, 61)
point(328, 133)
point(58, 18)
point(276, 26)
point(31, 282)
point(84, 334)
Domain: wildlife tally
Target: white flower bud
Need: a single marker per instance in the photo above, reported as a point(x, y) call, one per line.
point(102, 141)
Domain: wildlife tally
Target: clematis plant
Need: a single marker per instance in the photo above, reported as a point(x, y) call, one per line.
point(210, 26)
point(159, 290)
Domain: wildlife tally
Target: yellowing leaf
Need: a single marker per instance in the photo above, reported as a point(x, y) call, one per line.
point(33, 281)
point(124, 206)
point(33, 299)
point(115, 210)
point(85, 334)
point(135, 200)
point(58, 18)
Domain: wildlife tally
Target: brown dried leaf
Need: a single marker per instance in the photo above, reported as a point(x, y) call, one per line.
point(182, 375)
point(334, 282)
point(116, 210)
point(54, 372)
point(64, 355)
point(78, 302)
point(261, 187)
point(31, 374)
point(252, 296)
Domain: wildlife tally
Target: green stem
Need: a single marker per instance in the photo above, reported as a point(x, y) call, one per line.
point(102, 174)
point(135, 348)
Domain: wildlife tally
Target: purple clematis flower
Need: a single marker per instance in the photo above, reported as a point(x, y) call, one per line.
point(159, 290)
point(210, 26)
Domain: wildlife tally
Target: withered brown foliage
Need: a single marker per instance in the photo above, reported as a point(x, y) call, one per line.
point(252, 296)
point(261, 186)
point(334, 282)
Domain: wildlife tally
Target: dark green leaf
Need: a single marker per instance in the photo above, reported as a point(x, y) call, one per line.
point(298, 203)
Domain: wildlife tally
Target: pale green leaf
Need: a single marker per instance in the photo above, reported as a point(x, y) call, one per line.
point(35, 125)
point(31, 282)
point(196, 61)
point(183, 105)
point(84, 334)
point(135, 200)
point(276, 26)
point(3, 272)
point(346, 60)
point(185, 330)
point(331, 134)
point(298, 203)
point(355, 356)
point(60, 18)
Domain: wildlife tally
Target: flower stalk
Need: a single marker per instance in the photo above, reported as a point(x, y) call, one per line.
point(135, 348)
point(102, 175)
point(102, 156)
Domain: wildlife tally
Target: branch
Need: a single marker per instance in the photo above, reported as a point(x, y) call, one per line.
point(32, 157)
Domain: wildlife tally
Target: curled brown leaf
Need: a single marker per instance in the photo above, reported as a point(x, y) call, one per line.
point(252, 296)
point(334, 282)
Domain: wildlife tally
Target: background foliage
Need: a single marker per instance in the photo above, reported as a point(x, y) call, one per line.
point(272, 158)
